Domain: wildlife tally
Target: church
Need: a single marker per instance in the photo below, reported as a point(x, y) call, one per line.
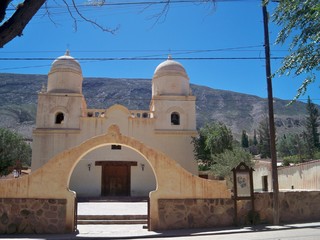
point(63, 121)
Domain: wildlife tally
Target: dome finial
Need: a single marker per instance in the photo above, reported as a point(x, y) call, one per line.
point(67, 52)
point(169, 57)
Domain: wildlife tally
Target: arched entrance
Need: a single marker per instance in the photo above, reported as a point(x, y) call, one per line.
point(112, 185)
point(112, 171)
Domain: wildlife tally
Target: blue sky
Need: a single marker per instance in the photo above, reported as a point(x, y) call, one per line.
point(230, 29)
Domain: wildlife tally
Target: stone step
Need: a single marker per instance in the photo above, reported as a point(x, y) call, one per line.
point(112, 199)
point(112, 219)
point(94, 222)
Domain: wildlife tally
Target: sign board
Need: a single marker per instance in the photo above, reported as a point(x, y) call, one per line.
point(243, 184)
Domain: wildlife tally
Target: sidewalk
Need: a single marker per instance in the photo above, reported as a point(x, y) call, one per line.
point(307, 231)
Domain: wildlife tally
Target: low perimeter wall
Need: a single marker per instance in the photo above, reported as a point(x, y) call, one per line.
point(22, 215)
point(295, 206)
point(205, 213)
point(32, 215)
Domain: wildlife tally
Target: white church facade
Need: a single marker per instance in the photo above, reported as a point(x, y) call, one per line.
point(64, 121)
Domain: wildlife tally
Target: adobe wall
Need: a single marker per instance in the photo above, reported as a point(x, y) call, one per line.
point(300, 176)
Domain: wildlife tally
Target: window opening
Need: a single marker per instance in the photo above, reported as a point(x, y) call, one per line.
point(59, 118)
point(175, 118)
point(116, 147)
point(145, 115)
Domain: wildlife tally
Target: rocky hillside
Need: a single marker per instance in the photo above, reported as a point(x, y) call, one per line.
point(18, 99)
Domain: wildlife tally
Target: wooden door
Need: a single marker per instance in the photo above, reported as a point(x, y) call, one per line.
point(115, 180)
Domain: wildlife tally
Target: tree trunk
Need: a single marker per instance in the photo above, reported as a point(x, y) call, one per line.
point(14, 26)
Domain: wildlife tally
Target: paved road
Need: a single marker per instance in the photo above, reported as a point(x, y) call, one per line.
point(307, 231)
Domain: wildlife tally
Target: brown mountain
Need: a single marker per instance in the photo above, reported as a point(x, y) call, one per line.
point(18, 99)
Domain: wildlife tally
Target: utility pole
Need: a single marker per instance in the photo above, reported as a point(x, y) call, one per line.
point(275, 184)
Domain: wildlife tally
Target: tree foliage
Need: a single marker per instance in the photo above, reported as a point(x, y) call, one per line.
point(229, 159)
point(213, 138)
point(13, 149)
point(311, 133)
point(214, 149)
point(300, 147)
point(292, 145)
point(218, 138)
point(264, 139)
point(300, 21)
point(244, 139)
point(312, 123)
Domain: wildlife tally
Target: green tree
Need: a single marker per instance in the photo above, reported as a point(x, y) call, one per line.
point(229, 159)
point(312, 124)
point(253, 144)
point(292, 145)
point(264, 139)
point(218, 137)
point(311, 134)
point(201, 152)
point(300, 22)
point(244, 139)
point(283, 147)
point(13, 149)
point(213, 138)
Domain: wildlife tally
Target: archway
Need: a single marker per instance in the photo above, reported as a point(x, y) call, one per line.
point(110, 172)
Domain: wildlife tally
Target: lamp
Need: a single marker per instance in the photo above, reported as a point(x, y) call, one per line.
point(142, 166)
point(89, 166)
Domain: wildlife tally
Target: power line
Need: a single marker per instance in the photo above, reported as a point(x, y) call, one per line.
point(138, 58)
point(151, 57)
point(172, 51)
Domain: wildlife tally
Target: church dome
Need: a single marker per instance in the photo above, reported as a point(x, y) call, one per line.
point(65, 75)
point(171, 79)
point(65, 62)
point(170, 67)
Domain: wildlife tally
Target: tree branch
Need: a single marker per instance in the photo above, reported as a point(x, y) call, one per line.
point(3, 6)
point(75, 25)
point(14, 26)
point(112, 31)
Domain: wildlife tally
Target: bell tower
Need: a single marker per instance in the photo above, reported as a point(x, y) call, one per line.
point(172, 101)
point(59, 109)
